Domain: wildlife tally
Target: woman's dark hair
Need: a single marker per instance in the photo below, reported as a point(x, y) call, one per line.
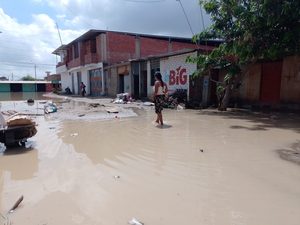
point(159, 77)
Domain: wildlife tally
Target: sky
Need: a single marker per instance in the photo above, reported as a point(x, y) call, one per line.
point(29, 31)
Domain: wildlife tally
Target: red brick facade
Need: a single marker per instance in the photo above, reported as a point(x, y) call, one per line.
point(114, 47)
point(120, 47)
point(151, 46)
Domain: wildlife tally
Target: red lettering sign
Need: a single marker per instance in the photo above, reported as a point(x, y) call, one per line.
point(172, 80)
point(178, 77)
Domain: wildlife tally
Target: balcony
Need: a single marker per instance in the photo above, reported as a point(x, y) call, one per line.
point(61, 67)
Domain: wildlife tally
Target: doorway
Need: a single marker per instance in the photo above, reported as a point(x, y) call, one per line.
point(270, 82)
point(121, 83)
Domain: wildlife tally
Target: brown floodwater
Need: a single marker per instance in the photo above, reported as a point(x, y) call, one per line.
point(200, 168)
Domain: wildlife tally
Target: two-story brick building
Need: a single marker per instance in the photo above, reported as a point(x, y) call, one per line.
point(93, 58)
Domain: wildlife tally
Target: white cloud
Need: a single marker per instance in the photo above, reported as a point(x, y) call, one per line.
point(164, 17)
point(34, 42)
point(23, 45)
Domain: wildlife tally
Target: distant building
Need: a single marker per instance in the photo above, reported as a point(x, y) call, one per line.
point(90, 59)
point(25, 86)
point(55, 80)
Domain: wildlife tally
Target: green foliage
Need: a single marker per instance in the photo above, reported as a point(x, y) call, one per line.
point(252, 30)
point(28, 78)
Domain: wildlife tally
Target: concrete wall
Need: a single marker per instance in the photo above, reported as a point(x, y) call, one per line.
point(112, 81)
point(290, 80)
point(66, 81)
point(175, 72)
point(250, 90)
point(250, 84)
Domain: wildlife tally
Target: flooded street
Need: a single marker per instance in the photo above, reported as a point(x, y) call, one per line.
point(202, 167)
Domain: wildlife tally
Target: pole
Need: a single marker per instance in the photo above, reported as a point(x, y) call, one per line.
point(35, 78)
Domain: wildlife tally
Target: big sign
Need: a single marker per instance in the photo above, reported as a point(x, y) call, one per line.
point(176, 71)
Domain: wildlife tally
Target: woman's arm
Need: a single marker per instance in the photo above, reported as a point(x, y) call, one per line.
point(155, 88)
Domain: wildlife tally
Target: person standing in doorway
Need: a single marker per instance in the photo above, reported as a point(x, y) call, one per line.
point(160, 90)
point(82, 87)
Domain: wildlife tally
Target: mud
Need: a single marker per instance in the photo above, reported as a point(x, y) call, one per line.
point(163, 177)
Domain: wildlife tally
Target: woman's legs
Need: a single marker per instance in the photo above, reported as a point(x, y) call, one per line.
point(161, 118)
point(157, 118)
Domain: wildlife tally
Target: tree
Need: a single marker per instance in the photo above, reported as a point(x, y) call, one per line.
point(28, 78)
point(252, 30)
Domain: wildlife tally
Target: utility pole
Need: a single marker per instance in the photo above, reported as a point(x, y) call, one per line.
point(35, 77)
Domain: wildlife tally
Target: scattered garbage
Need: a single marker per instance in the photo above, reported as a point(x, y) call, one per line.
point(201, 150)
point(180, 107)
point(74, 134)
point(30, 101)
point(18, 202)
point(134, 221)
point(112, 110)
point(50, 107)
point(148, 104)
point(51, 128)
point(123, 98)
point(117, 177)
point(81, 115)
point(95, 105)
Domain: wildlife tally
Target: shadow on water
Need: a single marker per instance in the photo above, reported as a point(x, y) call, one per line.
point(261, 121)
point(165, 126)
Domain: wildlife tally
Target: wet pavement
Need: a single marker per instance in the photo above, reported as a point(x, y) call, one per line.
point(202, 167)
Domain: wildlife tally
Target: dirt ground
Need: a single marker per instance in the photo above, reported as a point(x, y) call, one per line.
point(202, 167)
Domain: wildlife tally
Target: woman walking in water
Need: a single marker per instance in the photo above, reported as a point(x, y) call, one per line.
point(160, 90)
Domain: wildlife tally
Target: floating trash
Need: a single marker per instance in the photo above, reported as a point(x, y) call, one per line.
point(134, 221)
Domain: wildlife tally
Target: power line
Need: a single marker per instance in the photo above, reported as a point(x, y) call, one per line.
point(187, 19)
point(59, 34)
point(27, 63)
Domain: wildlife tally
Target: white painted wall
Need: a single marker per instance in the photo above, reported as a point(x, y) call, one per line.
point(66, 79)
point(176, 71)
point(172, 69)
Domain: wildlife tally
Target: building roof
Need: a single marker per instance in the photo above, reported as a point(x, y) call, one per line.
point(24, 82)
point(94, 32)
point(60, 49)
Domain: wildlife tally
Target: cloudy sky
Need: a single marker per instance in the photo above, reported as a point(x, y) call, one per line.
point(29, 34)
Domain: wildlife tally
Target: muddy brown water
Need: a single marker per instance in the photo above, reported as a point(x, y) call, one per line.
point(107, 171)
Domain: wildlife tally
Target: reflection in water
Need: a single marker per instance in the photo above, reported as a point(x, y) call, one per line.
point(21, 163)
point(109, 142)
point(16, 96)
point(163, 177)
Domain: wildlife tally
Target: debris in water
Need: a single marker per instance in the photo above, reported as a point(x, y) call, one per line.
point(134, 221)
point(74, 134)
point(16, 204)
point(180, 107)
point(94, 105)
point(81, 115)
